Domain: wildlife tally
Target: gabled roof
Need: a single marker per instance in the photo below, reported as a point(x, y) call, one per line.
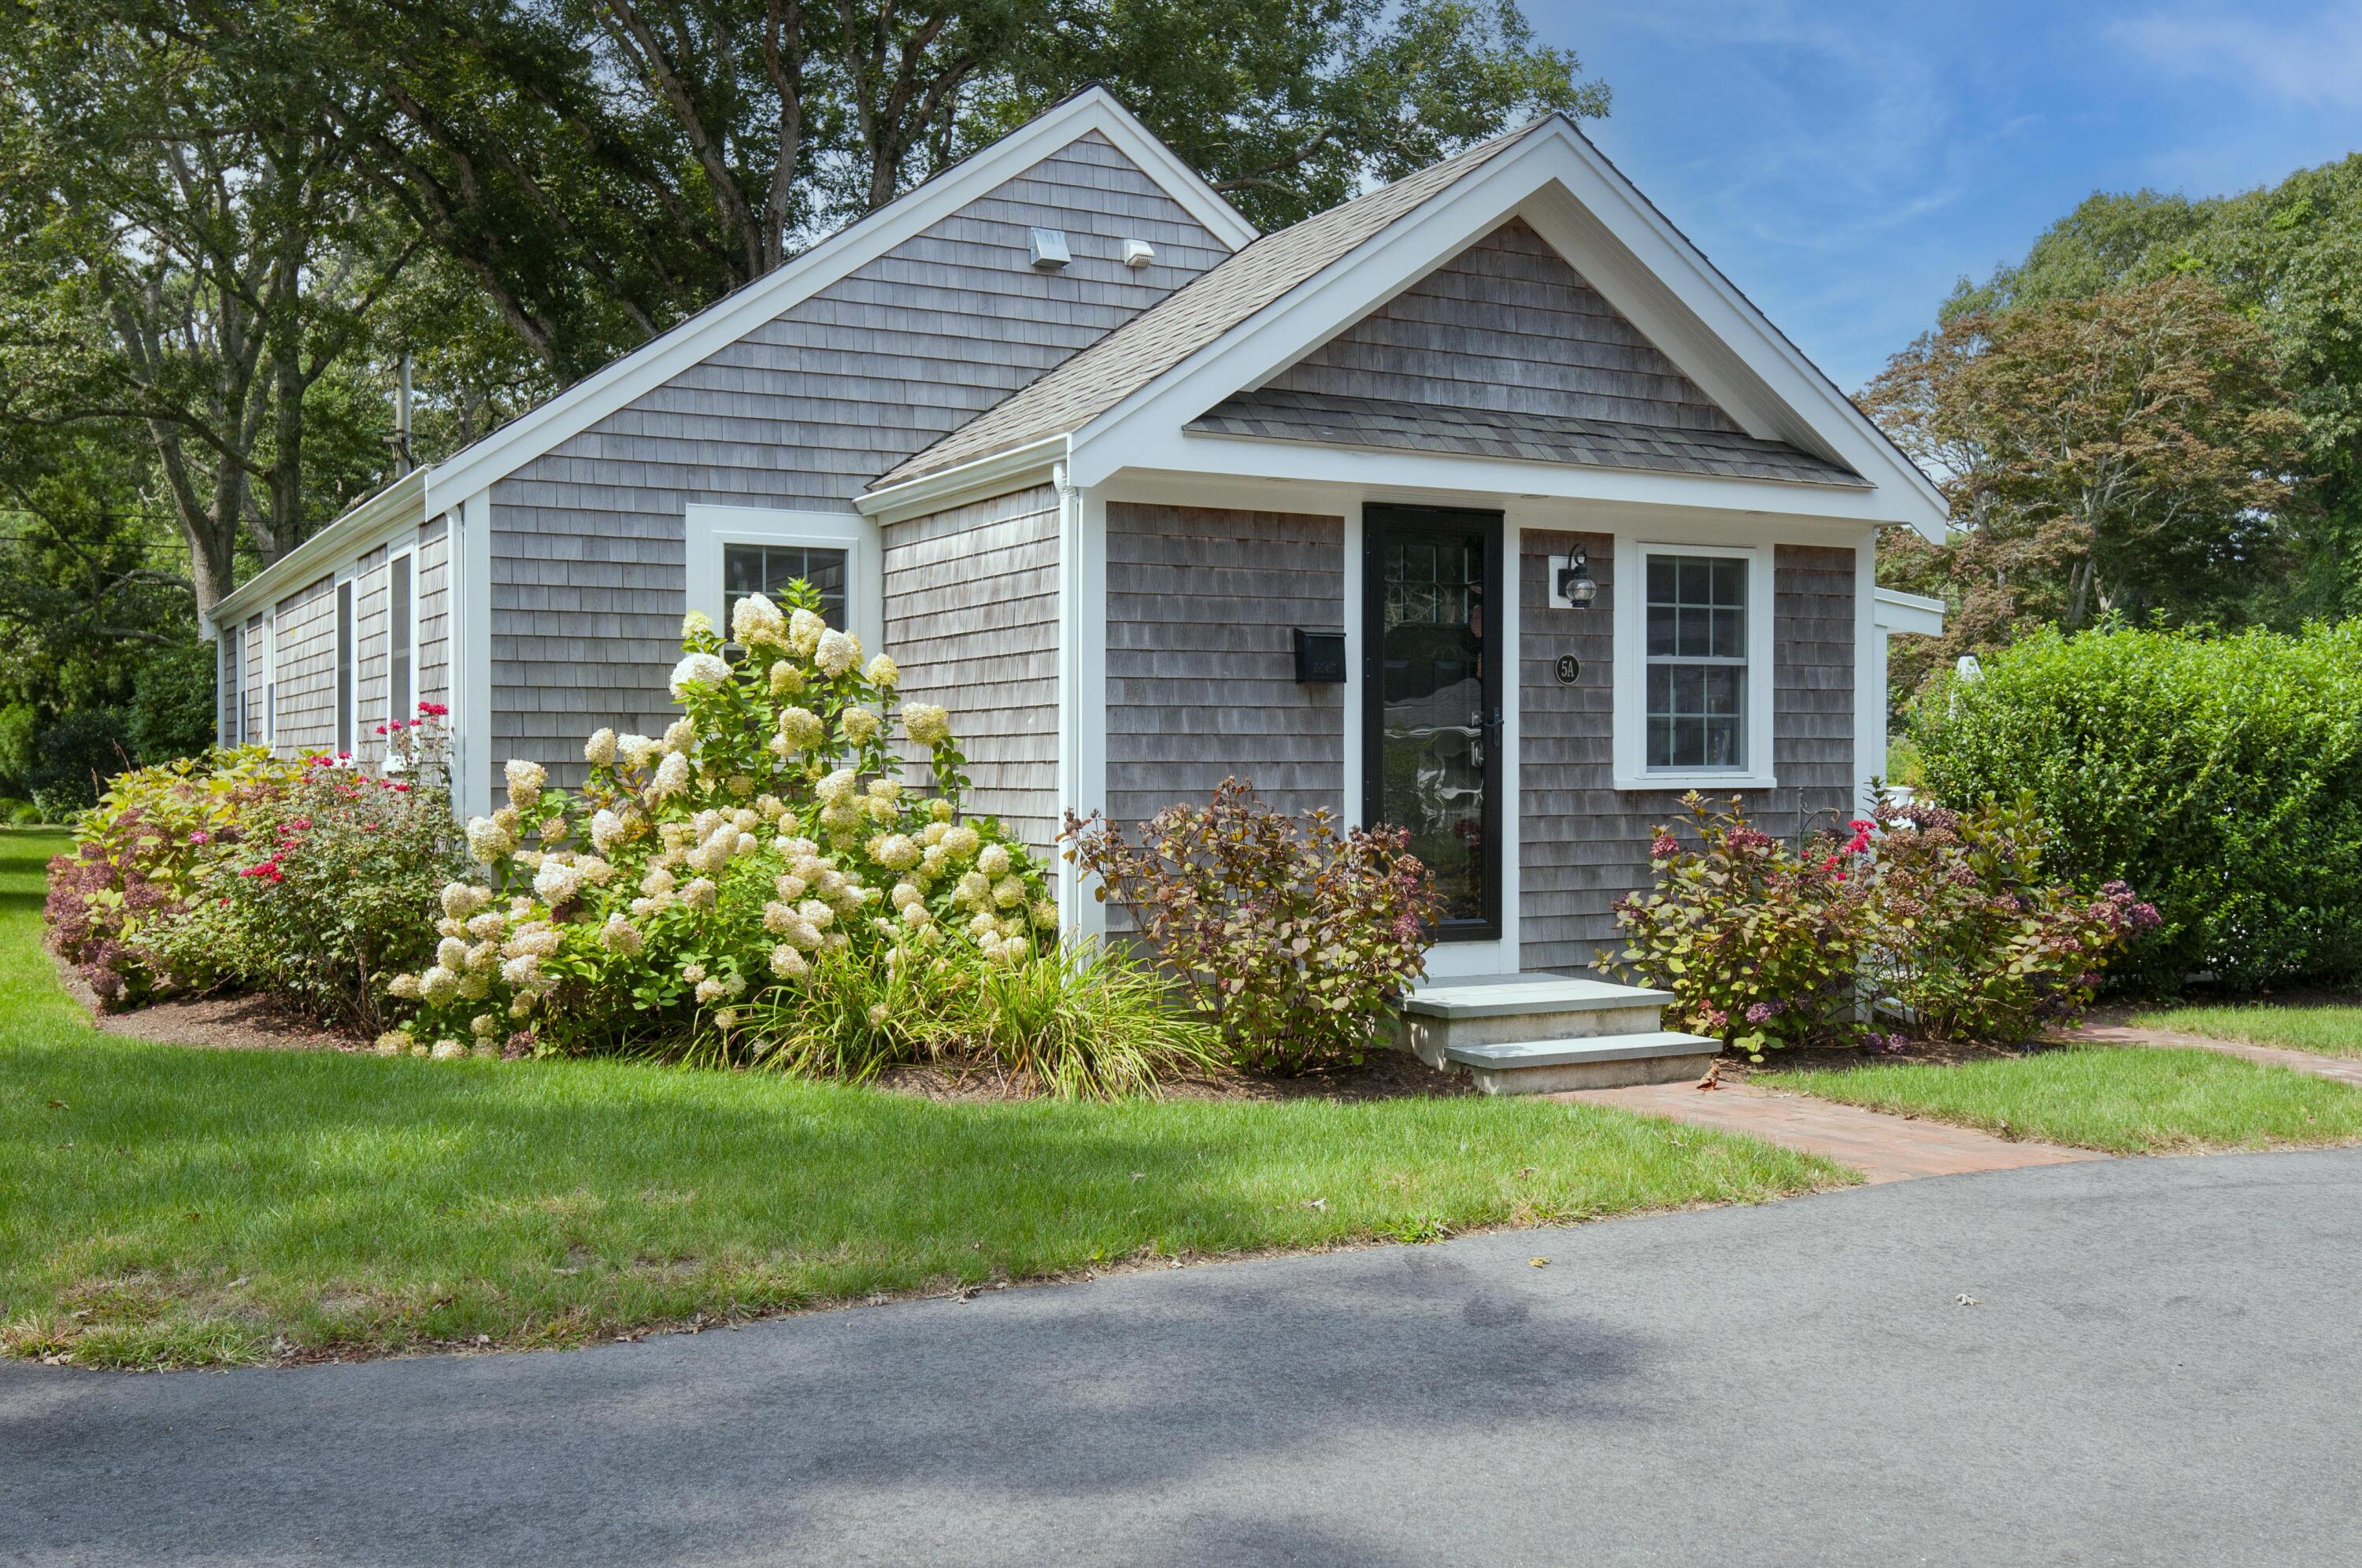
point(1141, 389)
point(431, 491)
point(1187, 319)
point(731, 318)
point(1334, 421)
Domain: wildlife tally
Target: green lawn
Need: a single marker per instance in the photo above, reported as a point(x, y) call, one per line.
point(2330, 1031)
point(161, 1206)
point(2127, 1099)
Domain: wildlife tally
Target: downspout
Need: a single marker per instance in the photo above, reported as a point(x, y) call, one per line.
point(1066, 878)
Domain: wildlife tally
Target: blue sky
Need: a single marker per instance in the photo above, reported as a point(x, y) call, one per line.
point(1844, 163)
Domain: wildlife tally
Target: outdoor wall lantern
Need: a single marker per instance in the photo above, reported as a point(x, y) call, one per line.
point(1573, 587)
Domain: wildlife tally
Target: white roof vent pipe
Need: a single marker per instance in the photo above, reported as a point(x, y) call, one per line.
point(1138, 253)
point(1050, 252)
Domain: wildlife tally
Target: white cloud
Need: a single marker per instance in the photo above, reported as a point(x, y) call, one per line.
point(2316, 61)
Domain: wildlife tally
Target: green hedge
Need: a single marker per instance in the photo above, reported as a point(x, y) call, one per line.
point(2220, 777)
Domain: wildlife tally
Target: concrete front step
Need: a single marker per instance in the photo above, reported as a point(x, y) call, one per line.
point(1508, 1008)
point(1613, 1061)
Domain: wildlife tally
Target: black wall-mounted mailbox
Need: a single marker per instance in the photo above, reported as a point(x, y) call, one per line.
point(1320, 658)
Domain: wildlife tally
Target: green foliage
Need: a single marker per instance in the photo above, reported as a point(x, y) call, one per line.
point(2222, 778)
point(1295, 938)
point(318, 901)
point(2289, 256)
point(700, 872)
point(1966, 937)
point(137, 863)
point(1756, 939)
point(172, 707)
point(1943, 921)
point(75, 757)
point(19, 730)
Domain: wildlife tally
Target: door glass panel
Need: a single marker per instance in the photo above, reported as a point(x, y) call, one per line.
point(1432, 731)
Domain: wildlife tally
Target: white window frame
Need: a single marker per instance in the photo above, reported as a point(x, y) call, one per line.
point(270, 677)
point(407, 553)
point(1630, 593)
point(345, 625)
point(711, 528)
point(233, 705)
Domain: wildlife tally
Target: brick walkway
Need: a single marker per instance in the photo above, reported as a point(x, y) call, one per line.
point(2345, 1069)
point(1881, 1147)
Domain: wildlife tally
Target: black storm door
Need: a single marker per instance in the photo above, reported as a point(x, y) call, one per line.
point(1431, 670)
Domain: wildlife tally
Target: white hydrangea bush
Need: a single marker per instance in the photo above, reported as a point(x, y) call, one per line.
point(709, 867)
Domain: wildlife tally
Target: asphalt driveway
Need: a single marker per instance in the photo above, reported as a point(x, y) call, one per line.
point(2159, 1365)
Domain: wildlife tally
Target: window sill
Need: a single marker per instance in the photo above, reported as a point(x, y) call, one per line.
point(1700, 781)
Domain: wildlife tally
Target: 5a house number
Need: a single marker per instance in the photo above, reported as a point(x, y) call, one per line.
point(1570, 669)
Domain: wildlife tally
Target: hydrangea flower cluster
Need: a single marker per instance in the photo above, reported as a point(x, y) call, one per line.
point(772, 822)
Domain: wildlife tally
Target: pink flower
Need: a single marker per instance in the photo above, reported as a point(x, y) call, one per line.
point(433, 710)
point(200, 835)
point(380, 729)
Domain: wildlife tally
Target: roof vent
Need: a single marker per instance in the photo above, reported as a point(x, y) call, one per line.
point(1050, 252)
point(1138, 253)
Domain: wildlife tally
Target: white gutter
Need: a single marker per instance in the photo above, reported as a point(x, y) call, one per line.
point(402, 504)
point(995, 474)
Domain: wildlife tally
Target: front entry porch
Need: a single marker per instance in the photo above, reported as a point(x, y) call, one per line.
point(1537, 1033)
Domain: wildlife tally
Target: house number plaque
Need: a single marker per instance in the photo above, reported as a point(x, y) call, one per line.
point(1570, 669)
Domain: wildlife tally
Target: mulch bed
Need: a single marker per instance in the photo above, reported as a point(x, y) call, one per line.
point(263, 1023)
point(1940, 1052)
point(215, 1023)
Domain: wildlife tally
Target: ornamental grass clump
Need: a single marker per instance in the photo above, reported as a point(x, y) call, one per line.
point(709, 884)
point(1293, 938)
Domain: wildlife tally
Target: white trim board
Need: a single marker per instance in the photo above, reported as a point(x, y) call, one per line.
point(709, 528)
point(730, 318)
point(1629, 723)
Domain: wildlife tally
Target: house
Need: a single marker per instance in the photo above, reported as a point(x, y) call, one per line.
point(1480, 504)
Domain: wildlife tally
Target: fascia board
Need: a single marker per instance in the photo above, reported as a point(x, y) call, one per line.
point(729, 319)
point(997, 474)
point(1247, 457)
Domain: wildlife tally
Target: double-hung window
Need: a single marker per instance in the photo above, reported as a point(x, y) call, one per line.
point(1693, 657)
point(735, 551)
point(399, 631)
point(1698, 662)
point(768, 568)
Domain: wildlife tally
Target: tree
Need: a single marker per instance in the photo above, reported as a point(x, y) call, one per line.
point(2126, 455)
point(2288, 257)
point(189, 257)
point(600, 168)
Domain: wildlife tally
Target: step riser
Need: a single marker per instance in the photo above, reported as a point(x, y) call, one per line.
point(1592, 1075)
point(1428, 1038)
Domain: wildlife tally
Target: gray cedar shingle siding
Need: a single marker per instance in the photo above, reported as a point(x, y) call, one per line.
point(434, 665)
point(307, 668)
point(1584, 844)
point(1200, 657)
point(972, 620)
point(1504, 351)
point(587, 586)
point(1508, 325)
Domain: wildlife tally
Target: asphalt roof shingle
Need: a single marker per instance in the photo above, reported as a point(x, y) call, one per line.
point(1335, 420)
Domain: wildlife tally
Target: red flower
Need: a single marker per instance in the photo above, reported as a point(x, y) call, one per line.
point(433, 710)
point(380, 729)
